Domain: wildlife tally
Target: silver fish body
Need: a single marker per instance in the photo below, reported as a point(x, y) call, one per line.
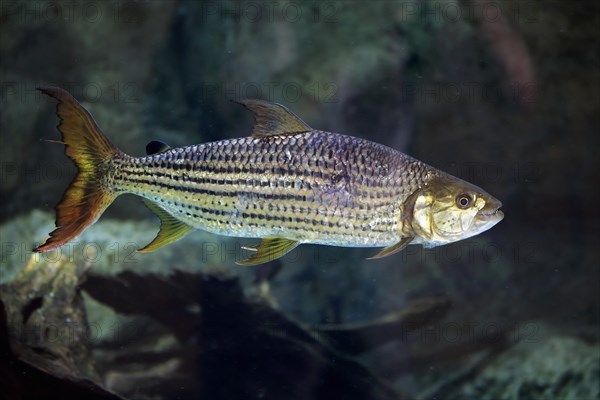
point(287, 184)
point(313, 187)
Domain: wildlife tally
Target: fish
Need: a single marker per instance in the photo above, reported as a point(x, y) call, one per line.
point(286, 184)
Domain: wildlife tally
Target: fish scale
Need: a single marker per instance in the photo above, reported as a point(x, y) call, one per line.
point(286, 184)
point(316, 187)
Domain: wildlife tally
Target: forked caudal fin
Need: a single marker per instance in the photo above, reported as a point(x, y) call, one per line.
point(85, 199)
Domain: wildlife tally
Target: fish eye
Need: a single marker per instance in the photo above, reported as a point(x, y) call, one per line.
point(463, 200)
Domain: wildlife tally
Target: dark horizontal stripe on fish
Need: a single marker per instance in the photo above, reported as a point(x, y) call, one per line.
point(208, 192)
point(257, 220)
point(358, 217)
point(385, 198)
point(270, 216)
point(270, 210)
point(251, 218)
point(247, 216)
point(206, 180)
point(321, 175)
point(213, 163)
point(272, 171)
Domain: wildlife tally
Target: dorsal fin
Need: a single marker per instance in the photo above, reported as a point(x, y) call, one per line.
point(273, 119)
point(156, 147)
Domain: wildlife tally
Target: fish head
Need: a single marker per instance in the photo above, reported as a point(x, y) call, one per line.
point(449, 209)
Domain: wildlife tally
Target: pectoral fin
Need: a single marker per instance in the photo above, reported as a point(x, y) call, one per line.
point(269, 249)
point(171, 229)
point(273, 119)
point(393, 249)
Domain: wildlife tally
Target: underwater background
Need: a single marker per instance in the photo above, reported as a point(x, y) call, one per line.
point(503, 94)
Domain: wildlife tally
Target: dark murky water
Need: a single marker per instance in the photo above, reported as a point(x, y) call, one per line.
point(502, 94)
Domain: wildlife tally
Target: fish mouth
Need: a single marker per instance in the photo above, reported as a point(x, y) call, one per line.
point(491, 211)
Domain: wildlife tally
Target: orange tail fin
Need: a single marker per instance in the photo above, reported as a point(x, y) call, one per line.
point(85, 199)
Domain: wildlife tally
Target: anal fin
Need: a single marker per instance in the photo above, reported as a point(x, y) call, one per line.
point(393, 249)
point(269, 249)
point(171, 229)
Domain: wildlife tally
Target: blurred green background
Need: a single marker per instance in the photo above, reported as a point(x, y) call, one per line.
point(504, 94)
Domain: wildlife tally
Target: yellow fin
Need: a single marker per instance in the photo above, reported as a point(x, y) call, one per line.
point(86, 198)
point(272, 119)
point(269, 249)
point(393, 249)
point(171, 229)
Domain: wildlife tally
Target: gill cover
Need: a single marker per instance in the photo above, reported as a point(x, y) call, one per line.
point(446, 211)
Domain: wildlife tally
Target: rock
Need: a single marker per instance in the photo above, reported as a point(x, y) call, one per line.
point(217, 326)
point(109, 247)
point(44, 337)
point(556, 367)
